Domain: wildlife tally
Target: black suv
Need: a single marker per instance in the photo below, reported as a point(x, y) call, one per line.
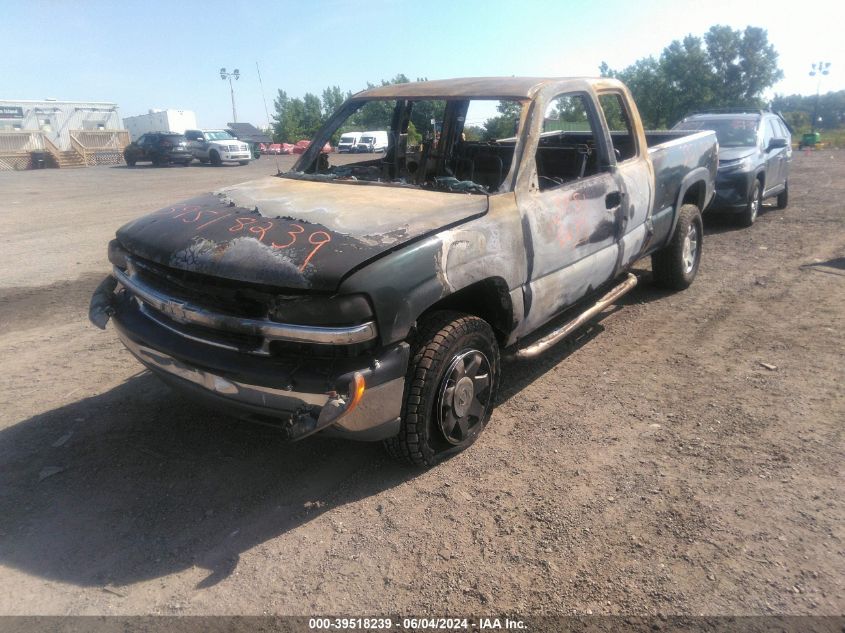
point(755, 149)
point(161, 148)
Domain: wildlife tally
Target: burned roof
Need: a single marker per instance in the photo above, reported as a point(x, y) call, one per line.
point(467, 87)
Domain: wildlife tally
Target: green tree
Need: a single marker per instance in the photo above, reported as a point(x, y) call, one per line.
point(285, 120)
point(725, 68)
point(332, 100)
point(648, 84)
point(505, 124)
point(474, 133)
point(414, 137)
point(312, 115)
point(799, 109)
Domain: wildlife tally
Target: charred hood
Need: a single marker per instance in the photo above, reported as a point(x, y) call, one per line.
point(292, 233)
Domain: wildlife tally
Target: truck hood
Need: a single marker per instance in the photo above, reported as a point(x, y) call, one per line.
point(231, 141)
point(292, 233)
point(735, 153)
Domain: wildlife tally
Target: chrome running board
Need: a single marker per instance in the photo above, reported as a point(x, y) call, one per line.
point(554, 337)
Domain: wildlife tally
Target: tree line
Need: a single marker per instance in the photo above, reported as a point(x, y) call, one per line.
point(725, 68)
point(798, 110)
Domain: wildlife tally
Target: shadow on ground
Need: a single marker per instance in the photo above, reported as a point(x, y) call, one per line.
point(137, 483)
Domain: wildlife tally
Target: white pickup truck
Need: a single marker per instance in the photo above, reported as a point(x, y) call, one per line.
point(217, 147)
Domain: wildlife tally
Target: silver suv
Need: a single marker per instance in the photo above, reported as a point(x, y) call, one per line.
point(755, 150)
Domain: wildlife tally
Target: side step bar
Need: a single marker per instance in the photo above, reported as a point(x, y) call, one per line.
point(554, 337)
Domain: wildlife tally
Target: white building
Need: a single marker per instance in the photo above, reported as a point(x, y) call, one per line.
point(160, 121)
point(71, 133)
point(58, 119)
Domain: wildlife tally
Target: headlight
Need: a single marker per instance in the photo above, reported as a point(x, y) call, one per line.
point(117, 254)
point(737, 164)
point(339, 310)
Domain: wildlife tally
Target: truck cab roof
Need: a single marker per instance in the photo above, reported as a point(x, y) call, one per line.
point(481, 87)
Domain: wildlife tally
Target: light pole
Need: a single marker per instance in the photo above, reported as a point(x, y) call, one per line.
point(224, 76)
point(820, 70)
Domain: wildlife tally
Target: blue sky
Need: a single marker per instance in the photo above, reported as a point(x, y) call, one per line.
point(155, 54)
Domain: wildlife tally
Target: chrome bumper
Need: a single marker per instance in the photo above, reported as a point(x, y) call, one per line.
point(355, 409)
point(370, 414)
point(183, 311)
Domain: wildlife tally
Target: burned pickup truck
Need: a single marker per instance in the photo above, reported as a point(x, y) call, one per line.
point(374, 297)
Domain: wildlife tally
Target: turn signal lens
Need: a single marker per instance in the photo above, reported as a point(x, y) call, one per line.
point(356, 391)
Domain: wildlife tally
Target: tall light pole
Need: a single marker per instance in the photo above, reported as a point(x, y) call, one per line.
point(224, 76)
point(819, 70)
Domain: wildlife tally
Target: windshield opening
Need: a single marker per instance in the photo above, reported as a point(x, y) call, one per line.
point(458, 146)
point(730, 132)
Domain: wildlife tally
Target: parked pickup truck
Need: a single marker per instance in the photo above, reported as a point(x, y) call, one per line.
point(217, 147)
point(374, 300)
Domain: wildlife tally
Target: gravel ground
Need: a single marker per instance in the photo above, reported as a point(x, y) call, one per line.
point(682, 455)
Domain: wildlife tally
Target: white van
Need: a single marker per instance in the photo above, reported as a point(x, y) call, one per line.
point(372, 142)
point(348, 142)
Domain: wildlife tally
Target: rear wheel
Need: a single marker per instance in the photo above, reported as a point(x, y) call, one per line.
point(783, 196)
point(204, 161)
point(450, 388)
point(215, 159)
point(130, 162)
point(676, 264)
point(752, 208)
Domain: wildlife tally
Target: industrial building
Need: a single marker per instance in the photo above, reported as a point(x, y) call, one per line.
point(60, 133)
point(160, 121)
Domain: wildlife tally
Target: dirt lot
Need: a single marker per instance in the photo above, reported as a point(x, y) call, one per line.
point(654, 464)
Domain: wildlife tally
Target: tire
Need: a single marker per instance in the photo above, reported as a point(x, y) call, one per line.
point(752, 208)
point(676, 264)
point(783, 196)
point(130, 162)
point(214, 157)
point(450, 388)
point(186, 163)
point(243, 162)
point(204, 161)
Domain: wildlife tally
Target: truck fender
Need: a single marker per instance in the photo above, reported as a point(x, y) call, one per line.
point(425, 282)
point(698, 174)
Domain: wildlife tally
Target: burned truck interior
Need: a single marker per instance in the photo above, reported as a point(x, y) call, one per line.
point(432, 144)
point(450, 145)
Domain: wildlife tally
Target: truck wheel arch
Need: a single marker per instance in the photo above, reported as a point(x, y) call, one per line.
point(488, 299)
point(693, 190)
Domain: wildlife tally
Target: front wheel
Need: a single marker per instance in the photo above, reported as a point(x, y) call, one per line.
point(243, 162)
point(450, 388)
point(752, 207)
point(676, 264)
point(215, 159)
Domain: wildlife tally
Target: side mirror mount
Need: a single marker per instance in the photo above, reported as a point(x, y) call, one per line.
point(777, 143)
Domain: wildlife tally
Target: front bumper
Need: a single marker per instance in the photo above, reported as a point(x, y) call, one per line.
point(732, 191)
point(358, 397)
point(235, 156)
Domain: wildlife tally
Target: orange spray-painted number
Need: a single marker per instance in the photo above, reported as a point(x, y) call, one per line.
point(318, 239)
point(292, 234)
